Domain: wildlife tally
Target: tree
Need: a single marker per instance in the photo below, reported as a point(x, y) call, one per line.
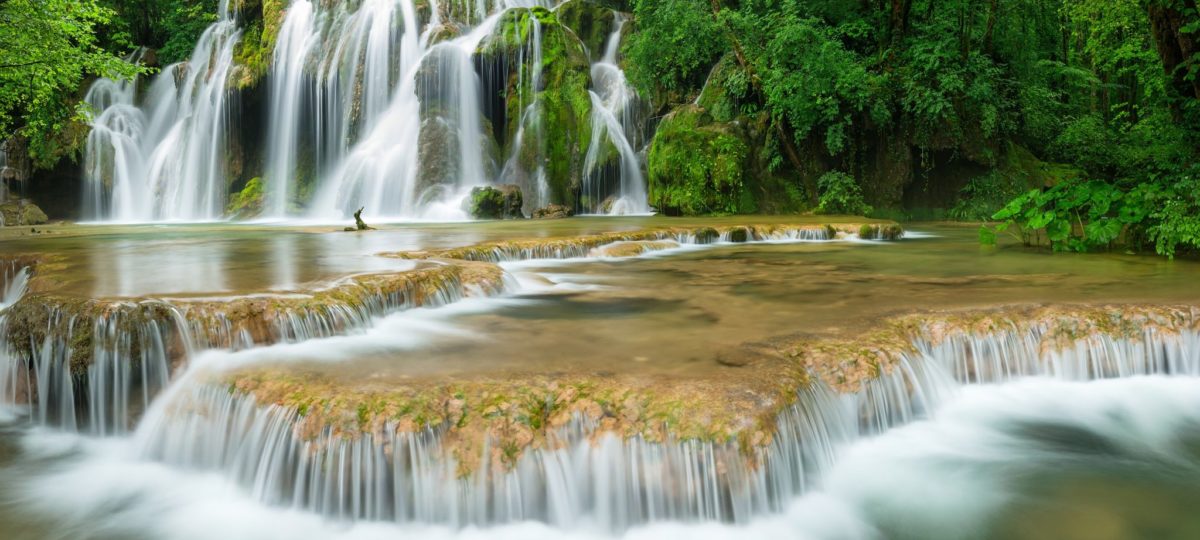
point(47, 50)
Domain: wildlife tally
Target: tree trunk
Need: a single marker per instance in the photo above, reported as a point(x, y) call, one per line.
point(1175, 47)
point(991, 26)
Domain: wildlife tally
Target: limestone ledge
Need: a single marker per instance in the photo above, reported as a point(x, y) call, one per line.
point(582, 246)
point(739, 405)
point(73, 323)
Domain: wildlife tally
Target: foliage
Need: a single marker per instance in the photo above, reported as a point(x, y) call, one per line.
point(1089, 215)
point(676, 43)
point(840, 194)
point(985, 195)
point(696, 166)
point(49, 48)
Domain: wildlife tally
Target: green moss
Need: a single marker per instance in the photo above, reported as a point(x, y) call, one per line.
point(248, 202)
point(696, 166)
point(254, 51)
point(589, 21)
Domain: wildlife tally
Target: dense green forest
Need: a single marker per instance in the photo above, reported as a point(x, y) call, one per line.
point(1071, 123)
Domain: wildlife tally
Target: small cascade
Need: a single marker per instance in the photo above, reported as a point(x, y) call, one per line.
point(95, 369)
point(614, 117)
point(585, 477)
point(586, 246)
point(166, 158)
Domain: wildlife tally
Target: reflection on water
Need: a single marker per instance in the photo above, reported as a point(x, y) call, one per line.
point(199, 259)
point(692, 312)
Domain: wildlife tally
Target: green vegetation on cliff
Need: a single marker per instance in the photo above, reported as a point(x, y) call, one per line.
point(931, 104)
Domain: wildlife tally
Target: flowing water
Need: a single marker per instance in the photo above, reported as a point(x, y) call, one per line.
point(989, 434)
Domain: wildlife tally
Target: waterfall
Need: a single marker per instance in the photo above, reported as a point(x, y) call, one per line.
point(531, 117)
point(296, 37)
point(613, 116)
point(165, 159)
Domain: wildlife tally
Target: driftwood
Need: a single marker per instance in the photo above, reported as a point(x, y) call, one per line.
point(359, 224)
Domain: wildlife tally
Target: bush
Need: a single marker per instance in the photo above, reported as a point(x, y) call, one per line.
point(840, 194)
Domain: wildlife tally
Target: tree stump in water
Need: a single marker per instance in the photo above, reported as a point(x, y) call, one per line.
point(359, 224)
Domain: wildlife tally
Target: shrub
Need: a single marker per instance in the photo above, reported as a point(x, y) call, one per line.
point(840, 194)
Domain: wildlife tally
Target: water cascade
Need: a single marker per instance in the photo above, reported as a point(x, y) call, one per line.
point(614, 120)
point(164, 159)
point(581, 478)
point(97, 370)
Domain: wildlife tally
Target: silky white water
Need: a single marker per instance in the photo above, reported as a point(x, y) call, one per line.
point(365, 107)
point(958, 475)
point(165, 159)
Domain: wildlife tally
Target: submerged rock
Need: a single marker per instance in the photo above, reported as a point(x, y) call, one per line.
point(501, 202)
point(21, 212)
point(554, 211)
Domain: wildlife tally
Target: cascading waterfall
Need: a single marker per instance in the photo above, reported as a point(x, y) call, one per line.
point(613, 115)
point(165, 159)
point(601, 480)
point(365, 107)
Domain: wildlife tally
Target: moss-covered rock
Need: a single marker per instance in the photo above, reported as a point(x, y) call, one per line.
point(884, 231)
point(21, 212)
point(591, 22)
point(557, 128)
point(696, 166)
point(248, 202)
point(261, 20)
point(501, 202)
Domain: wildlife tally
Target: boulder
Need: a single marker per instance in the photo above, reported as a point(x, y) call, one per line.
point(500, 202)
point(21, 212)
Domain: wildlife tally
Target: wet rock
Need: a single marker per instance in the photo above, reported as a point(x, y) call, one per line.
point(592, 22)
point(21, 212)
point(554, 211)
point(706, 235)
point(889, 232)
point(739, 235)
point(500, 202)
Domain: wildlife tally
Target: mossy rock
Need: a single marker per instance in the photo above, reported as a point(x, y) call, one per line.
point(21, 212)
point(592, 23)
point(889, 232)
point(248, 202)
point(696, 166)
point(564, 105)
point(260, 20)
point(487, 202)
